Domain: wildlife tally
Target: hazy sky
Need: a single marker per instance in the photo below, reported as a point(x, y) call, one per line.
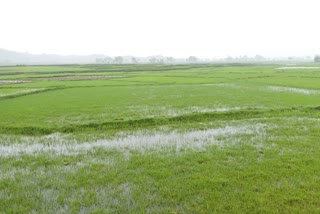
point(205, 28)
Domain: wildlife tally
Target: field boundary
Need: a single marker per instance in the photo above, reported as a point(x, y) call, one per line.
point(159, 121)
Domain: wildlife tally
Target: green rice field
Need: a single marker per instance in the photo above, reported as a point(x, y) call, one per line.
point(190, 138)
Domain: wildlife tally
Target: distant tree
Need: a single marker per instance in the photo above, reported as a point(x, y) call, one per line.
point(118, 60)
point(243, 58)
point(259, 58)
point(134, 60)
point(317, 58)
point(107, 60)
point(104, 60)
point(229, 59)
point(99, 60)
point(153, 60)
point(170, 59)
point(192, 59)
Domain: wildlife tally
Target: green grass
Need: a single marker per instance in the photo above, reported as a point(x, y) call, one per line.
point(160, 139)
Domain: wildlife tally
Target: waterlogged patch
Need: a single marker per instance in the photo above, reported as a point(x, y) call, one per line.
point(139, 141)
point(295, 68)
point(227, 85)
point(84, 77)
point(232, 86)
point(306, 119)
point(19, 92)
point(293, 90)
point(220, 109)
point(13, 81)
point(170, 111)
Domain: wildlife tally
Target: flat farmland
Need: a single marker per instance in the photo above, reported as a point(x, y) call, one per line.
point(197, 138)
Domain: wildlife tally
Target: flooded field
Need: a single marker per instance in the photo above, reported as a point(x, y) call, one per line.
point(164, 139)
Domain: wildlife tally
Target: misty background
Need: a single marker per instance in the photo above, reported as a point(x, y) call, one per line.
point(154, 31)
point(16, 58)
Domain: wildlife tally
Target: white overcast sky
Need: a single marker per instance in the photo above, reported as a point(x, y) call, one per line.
point(204, 28)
